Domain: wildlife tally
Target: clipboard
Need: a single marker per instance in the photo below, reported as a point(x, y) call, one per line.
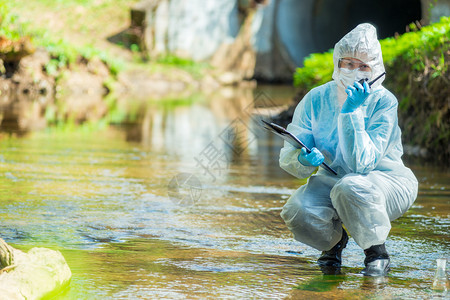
point(292, 139)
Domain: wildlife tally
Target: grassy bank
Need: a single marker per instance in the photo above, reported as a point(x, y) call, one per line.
point(74, 36)
point(417, 64)
point(63, 50)
point(71, 30)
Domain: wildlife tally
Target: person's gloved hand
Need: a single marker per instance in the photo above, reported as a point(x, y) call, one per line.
point(357, 94)
point(314, 158)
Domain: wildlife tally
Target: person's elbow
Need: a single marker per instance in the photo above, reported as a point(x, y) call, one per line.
point(288, 161)
point(285, 159)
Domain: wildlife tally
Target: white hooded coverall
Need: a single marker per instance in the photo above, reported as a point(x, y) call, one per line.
point(373, 187)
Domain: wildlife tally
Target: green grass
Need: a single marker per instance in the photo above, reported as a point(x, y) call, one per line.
point(71, 30)
point(63, 53)
point(8, 24)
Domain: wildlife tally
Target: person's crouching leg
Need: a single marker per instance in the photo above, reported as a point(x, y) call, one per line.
point(308, 213)
point(361, 206)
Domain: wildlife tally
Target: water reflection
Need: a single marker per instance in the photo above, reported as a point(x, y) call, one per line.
point(186, 130)
point(21, 112)
point(102, 198)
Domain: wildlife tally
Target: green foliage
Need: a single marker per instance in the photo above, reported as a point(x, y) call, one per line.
point(317, 70)
point(421, 82)
point(134, 48)
point(9, 27)
point(175, 61)
point(193, 67)
point(413, 45)
point(64, 54)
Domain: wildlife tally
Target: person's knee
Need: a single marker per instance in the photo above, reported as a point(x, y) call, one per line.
point(342, 190)
point(290, 210)
point(342, 187)
point(354, 187)
point(295, 214)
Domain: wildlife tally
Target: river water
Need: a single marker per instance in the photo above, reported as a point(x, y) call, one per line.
point(180, 199)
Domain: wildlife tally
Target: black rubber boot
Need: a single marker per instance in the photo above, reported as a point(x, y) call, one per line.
point(377, 261)
point(333, 257)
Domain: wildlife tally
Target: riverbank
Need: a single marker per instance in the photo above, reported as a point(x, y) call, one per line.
point(48, 80)
point(35, 92)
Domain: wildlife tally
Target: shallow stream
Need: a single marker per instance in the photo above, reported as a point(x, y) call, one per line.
point(183, 201)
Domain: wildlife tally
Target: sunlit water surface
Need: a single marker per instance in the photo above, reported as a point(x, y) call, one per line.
point(183, 201)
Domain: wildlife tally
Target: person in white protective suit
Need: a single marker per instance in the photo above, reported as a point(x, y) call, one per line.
point(354, 128)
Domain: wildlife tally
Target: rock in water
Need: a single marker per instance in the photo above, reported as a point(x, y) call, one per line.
point(31, 275)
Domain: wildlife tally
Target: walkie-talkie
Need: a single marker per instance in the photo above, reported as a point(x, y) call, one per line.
point(373, 81)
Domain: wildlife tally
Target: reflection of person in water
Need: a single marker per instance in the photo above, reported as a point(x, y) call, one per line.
point(353, 127)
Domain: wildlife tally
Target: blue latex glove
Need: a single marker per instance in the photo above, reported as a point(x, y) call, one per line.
point(312, 159)
point(357, 94)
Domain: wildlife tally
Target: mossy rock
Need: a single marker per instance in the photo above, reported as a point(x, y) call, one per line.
point(32, 275)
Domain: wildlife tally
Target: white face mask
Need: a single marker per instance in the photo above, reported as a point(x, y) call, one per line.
point(348, 77)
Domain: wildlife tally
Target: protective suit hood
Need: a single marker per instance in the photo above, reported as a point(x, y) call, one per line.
point(360, 43)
